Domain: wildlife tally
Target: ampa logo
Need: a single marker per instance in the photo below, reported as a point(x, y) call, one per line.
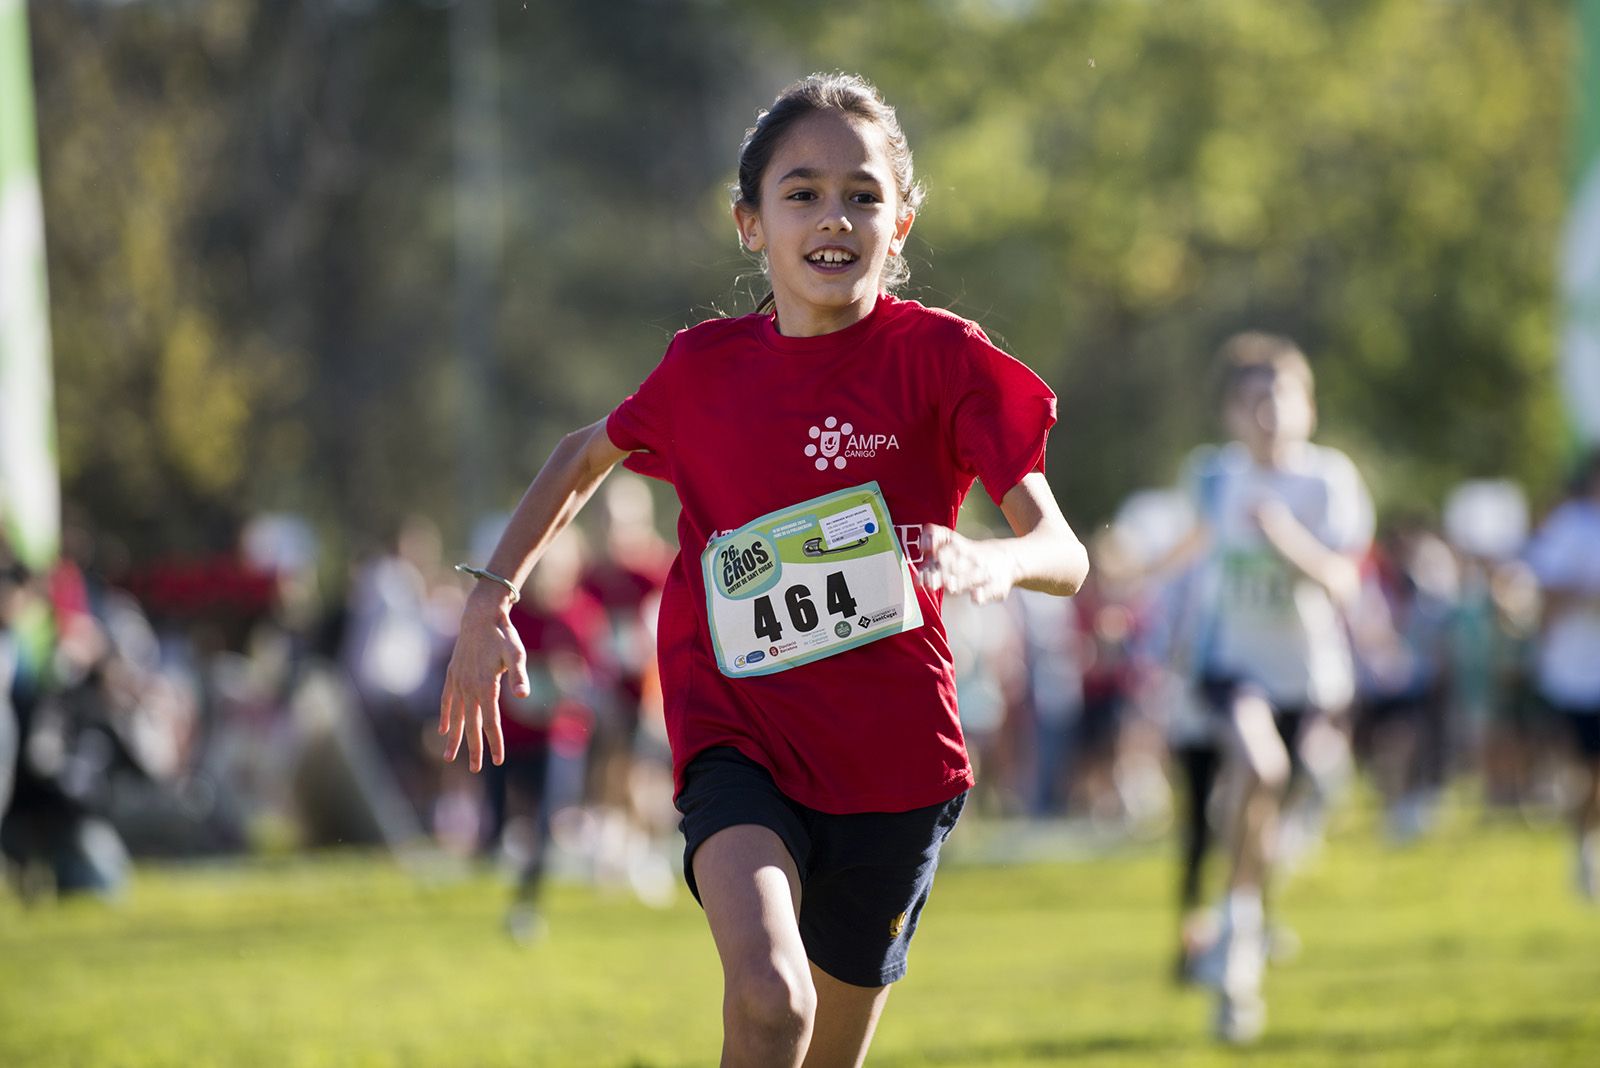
point(827, 439)
point(836, 444)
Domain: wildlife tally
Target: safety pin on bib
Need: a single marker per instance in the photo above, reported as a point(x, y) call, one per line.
point(813, 547)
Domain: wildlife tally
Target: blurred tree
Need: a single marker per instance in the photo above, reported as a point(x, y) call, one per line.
point(250, 226)
point(1116, 187)
point(251, 239)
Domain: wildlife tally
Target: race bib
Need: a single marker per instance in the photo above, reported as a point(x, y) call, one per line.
point(807, 582)
point(1258, 583)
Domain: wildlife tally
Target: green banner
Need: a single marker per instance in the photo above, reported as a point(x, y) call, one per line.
point(30, 496)
point(1580, 256)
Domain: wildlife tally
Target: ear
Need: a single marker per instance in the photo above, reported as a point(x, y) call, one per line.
point(902, 230)
point(749, 224)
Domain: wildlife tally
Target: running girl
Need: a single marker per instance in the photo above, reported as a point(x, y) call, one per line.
point(1564, 557)
point(818, 447)
point(1283, 523)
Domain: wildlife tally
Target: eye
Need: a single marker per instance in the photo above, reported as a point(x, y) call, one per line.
point(801, 194)
point(866, 198)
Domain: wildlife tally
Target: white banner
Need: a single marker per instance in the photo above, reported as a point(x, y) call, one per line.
point(30, 496)
point(1580, 254)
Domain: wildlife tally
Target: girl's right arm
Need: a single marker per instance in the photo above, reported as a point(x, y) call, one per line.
point(487, 645)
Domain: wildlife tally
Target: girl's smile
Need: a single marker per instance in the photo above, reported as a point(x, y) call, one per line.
point(832, 259)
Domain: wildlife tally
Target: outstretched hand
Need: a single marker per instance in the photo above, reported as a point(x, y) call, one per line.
point(956, 564)
point(487, 647)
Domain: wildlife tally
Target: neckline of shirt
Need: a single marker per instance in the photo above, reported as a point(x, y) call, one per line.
point(856, 332)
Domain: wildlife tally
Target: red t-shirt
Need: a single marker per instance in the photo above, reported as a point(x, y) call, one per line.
point(623, 588)
point(926, 405)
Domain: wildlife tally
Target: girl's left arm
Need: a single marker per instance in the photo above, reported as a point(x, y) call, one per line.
point(1045, 555)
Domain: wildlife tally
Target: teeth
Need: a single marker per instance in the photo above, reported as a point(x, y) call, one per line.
point(831, 255)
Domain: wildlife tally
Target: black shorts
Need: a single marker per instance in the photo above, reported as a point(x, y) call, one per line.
point(865, 876)
point(1584, 726)
point(1220, 690)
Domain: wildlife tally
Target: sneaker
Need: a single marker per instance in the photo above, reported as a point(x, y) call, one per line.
point(525, 925)
point(1245, 962)
point(1234, 963)
point(1240, 1019)
point(1584, 874)
point(1283, 943)
point(1198, 937)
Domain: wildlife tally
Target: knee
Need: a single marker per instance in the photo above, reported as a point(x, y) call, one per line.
point(1265, 770)
point(772, 1003)
point(1274, 774)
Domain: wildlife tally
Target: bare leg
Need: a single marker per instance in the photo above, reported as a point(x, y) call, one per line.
point(751, 892)
point(1589, 804)
point(1261, 770)
point(1264, 764)
point(1587, 825)
point(847, 1016)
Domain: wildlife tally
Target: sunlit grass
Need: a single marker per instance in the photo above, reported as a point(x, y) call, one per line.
point(1468, 949)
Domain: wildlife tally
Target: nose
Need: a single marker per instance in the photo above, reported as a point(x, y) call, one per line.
point(835, 219)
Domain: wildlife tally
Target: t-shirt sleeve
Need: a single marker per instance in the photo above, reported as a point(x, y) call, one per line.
point(1350, 518)
point(641, 425)
point(1201, 483)
point(1550, 553)
point(1001, 413)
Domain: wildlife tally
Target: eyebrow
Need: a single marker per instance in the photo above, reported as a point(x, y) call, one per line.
point(812, 174)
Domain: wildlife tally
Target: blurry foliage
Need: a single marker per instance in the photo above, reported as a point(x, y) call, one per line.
point(250, 224)
point(1118, 186)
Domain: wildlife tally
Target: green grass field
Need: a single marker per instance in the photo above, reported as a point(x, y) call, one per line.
point(1468, 949)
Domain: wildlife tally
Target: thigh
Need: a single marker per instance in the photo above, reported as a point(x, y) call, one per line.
point(750, 890)
point(723, 788)
point(1255, 737)
point(1583, 728)
point(8, 750)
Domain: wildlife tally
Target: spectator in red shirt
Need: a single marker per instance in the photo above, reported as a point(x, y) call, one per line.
point(546, 731)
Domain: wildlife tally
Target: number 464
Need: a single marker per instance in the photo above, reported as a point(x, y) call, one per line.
point(802, 612)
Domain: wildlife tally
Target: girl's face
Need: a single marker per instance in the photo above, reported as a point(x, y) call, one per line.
point(830, 218)
point(1271, 408)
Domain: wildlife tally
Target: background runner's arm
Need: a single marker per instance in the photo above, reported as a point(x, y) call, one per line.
point(1194, 544)
point(1334, 571)
point(487, 645)
point(1561, 599)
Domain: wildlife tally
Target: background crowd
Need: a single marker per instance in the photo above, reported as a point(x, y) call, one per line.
point(201, 706)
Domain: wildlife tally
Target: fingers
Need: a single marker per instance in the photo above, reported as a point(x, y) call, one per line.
point(468, 722)
point(446, 703)
point(469, 709)
point(931, 571)
point(483, 716)
point(475, 739)
point(960, 566)
point(518, 668)
point(491, 730)
point(517, 679)
point(458, 721)
point(948, 562)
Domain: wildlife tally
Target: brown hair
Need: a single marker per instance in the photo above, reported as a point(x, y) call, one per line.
point(848, 93)
point(1253, 352)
